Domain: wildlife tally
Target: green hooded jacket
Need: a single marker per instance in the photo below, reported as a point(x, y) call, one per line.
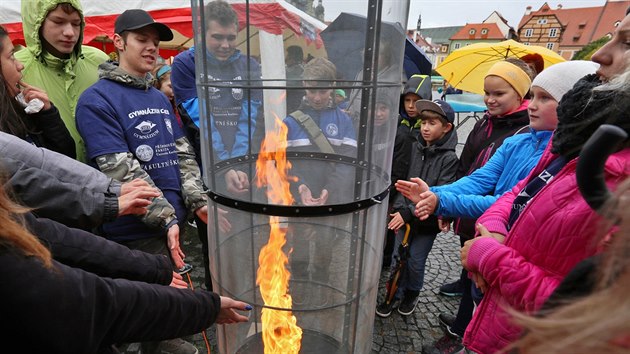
point(63, 79)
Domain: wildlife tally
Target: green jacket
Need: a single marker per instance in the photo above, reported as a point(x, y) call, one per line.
point(63, 79)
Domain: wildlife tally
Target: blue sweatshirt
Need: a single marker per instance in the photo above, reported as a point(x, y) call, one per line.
point(114, 118)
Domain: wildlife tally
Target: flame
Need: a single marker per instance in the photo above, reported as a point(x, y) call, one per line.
point(280, 331)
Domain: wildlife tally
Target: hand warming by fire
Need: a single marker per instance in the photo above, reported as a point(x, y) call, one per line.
point(281, 333)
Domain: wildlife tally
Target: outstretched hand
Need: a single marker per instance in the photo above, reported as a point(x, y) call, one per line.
point(307, 197)
point(224, 223)
point(228, 314)
point(178, 282)
point(174, 247)
point(412, 189)
point(426, 205)
point(135, 197)
point(237, 182)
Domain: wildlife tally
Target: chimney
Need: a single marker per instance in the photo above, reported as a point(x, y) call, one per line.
point(528, 10)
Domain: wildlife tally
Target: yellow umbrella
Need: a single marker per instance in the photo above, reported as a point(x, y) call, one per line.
point(466, 67)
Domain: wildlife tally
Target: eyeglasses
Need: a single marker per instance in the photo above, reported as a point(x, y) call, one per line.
point(223, 37)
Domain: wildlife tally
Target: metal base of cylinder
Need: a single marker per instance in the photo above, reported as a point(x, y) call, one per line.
point(312, 342)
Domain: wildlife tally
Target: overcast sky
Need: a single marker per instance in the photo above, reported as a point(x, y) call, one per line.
point(439, 13)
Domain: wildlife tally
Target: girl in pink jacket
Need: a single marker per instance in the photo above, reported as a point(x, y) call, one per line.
point(546, 224)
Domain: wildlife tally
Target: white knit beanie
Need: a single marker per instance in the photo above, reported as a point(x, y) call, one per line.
point(560, 78)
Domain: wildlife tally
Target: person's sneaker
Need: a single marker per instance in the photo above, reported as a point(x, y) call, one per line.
point(409, 302)
point(445, 345)
point(446, 321)
point(455, 288)
point(176, 346)
point(384, 309)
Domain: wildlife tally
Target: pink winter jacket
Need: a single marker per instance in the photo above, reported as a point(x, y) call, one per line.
point(555, 231)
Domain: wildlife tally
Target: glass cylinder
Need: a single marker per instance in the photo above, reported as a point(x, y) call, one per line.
point(297, 123)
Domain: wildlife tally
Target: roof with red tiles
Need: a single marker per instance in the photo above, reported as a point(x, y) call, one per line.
point(613, 12)
point(582, 25)
point(493, 32)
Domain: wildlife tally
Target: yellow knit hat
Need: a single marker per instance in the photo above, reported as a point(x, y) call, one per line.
point(515, 76)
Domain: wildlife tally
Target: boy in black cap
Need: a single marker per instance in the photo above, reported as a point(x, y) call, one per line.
point(418, 87)
point(130, 132)
point(432, 157)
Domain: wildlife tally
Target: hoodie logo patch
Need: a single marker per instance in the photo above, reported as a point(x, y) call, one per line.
point(144, 153)
point(146, 130)
point(332, 130)
point(169, 125)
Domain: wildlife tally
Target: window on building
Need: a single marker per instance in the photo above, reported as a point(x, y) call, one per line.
point(471, 32)
point(526, 43)
point(550, 46)
point(484, 31)
point(456, 45)
point(553, 32)
point(542, 21)
point(617, 23)
point(529, 32)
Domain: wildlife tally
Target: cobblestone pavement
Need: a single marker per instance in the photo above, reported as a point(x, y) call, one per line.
point(395, 334)
point(406, 334)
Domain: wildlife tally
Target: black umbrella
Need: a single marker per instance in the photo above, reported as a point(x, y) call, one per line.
point(344, 40)
point(399, 268)
point(416, 61)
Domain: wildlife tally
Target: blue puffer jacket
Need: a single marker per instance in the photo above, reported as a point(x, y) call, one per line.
point(471, 195)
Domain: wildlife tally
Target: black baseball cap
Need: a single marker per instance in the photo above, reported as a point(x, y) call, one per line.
point(135, 18)
point(438, 106)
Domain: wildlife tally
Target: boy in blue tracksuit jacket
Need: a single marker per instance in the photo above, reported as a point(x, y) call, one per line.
point(324, 182)
point(315, 186)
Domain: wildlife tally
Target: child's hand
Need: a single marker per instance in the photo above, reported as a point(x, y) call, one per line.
point(412, 189)
point(396, 223)
point(237, 182)
point(427, 202)
point(307, 197)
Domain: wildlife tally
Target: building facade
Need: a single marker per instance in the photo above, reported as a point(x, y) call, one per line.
point(566, 31)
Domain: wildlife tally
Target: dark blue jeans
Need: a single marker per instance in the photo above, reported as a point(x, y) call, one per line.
point(413, 275)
